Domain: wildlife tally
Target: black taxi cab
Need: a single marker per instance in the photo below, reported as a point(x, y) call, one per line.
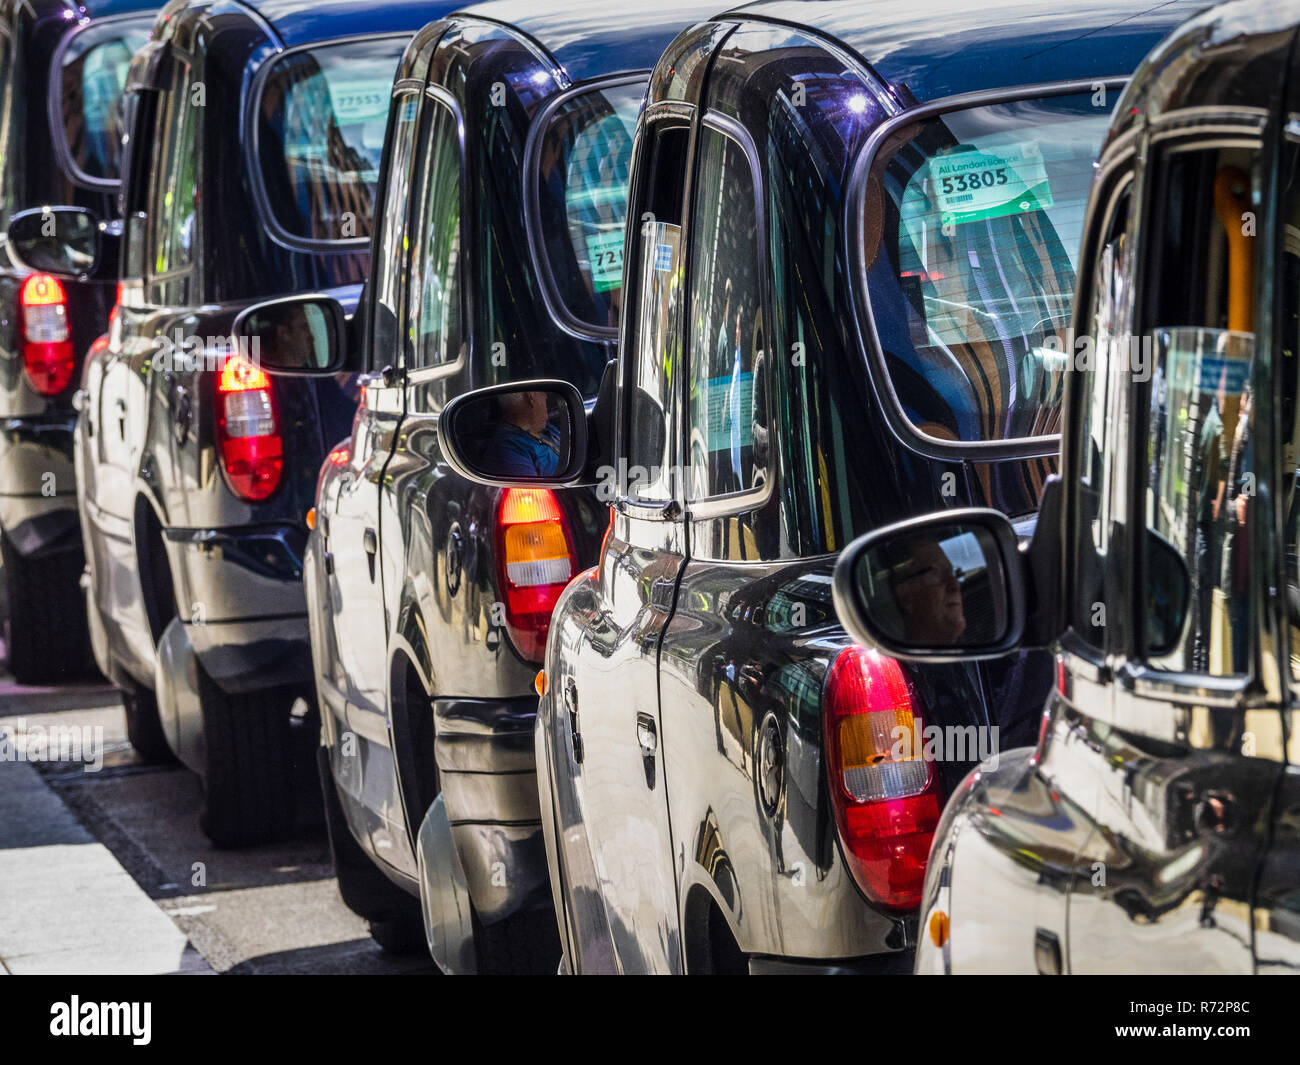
point(1153, 829)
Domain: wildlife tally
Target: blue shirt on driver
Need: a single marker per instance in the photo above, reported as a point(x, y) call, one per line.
point(516, 452)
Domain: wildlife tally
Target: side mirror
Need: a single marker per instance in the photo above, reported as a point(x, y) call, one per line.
point(529, 432)
point(298, 336)
point(943, 588)
point(67, 241)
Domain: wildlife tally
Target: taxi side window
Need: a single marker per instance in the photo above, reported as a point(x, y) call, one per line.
point(728, 405)
point(655, 336)
point(434, 311)
point(1194, 364)
point(390, 263)
point(175, 178)
point(1099, 386)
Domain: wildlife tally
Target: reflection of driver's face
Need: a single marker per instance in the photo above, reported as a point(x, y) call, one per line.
point(527, 410)
point(929, 597)
point(293, 339)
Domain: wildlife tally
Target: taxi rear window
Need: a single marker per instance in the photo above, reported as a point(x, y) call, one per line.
point(973, 280)
point(321, 120)
point(92, 75)
point(582, 198)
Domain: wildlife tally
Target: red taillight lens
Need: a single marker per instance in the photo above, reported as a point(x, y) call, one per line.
point(884, 793)
point(248, 436)
point(534, 563)
point(47, 346)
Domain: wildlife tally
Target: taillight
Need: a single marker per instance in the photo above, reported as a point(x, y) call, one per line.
point(47, 346)
point(534, 563)
point(884, 793)
point(252, 453)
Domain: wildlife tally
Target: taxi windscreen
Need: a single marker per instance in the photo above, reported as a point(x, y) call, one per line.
point(973, 276)
point(321, 120)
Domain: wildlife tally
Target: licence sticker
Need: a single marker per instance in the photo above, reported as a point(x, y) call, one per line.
point(358, 101)
point(605, 251)
point(663, 258)
point(972, 185)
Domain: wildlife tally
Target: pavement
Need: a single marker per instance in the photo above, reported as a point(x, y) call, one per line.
point(103, 868)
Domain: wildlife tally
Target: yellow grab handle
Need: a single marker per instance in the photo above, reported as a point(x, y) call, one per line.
point(1231, 201)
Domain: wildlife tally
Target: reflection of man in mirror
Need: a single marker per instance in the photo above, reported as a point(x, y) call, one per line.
point(525, 443)
point(287, 340)
point(928, 594)
point(1208, 483)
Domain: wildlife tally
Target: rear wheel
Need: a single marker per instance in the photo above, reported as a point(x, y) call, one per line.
point(248, 784)
point(524, 944)
point(144, 726)
point(403, 936)
point(394, 916)
point(45, 627)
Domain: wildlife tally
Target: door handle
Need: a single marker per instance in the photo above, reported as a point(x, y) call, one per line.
point(121, 417)
point(646, 735)
point(184, 409)
point(648, 738)
point(1047, 953)
point(371, 542)
point(571, 704)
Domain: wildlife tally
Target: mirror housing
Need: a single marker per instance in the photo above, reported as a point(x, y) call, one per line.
point(521, 433)
point(945, 587)
point(294, 336)
point(65, 241)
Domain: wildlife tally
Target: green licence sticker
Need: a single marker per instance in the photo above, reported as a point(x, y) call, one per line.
point(357, 101)
point(971, 185)
point(605, 250)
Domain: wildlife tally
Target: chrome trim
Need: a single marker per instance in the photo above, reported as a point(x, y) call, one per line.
point(1190, 689)
point(864, 314)
point(1209, 117)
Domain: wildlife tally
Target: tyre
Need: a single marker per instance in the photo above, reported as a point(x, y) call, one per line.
point(402, 936)
point(144, 726)
point(248, 783)
point(45, 627)
point(394, 917)
point(523, 944)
